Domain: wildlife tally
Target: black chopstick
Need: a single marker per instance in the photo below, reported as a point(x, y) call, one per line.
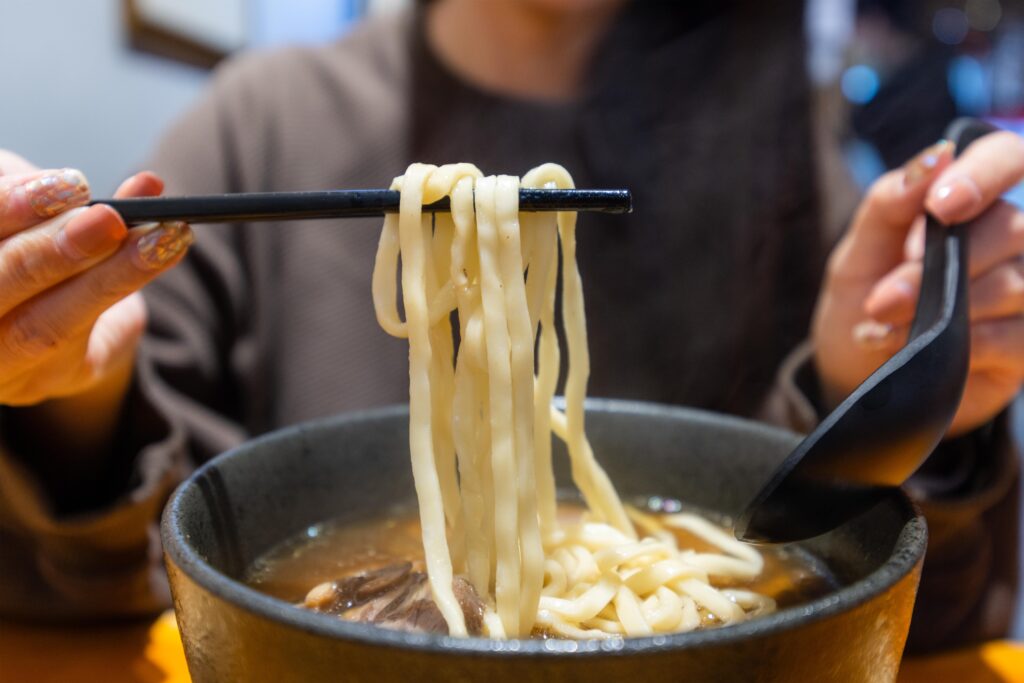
point(267, 206)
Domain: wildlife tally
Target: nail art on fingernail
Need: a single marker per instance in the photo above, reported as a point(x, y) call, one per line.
point(924, 164)
point(57, 192)
point(872, 335)
point(162, 243)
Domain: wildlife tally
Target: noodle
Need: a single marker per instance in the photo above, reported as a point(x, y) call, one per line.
point(481, 420)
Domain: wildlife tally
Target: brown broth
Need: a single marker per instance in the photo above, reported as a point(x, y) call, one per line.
point(333, 550)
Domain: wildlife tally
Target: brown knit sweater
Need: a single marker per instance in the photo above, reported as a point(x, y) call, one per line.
point(269, 324)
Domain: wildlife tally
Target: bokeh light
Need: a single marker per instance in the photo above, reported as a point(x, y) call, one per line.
point(860, 83)
point(968, 84)
point(983, 15)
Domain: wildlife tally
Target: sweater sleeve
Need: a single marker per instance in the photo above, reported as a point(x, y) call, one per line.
point(969, 492)
point(70, 552)
point(206, 368)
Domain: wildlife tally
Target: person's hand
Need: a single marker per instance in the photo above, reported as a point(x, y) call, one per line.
point(867, 303)
point(70, 312)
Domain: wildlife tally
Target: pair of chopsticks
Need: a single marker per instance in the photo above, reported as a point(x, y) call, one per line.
point(268, 206)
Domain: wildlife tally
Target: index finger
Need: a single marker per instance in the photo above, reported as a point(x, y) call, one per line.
point(983, 173)
point(143, 184)
point(14, 164)
point(30, 198)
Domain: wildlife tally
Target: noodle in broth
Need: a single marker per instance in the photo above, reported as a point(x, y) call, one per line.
point(324, 553)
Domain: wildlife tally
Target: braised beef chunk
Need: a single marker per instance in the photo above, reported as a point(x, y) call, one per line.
point(337, 597)
point(383, 580)
point(396, 597)
point(411, 610)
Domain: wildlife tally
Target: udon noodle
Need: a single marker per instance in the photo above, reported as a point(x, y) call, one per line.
point(481, 421)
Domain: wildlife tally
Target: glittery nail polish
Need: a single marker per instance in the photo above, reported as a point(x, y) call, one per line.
point(924, 164)
point(162, 243)
point(57, 192)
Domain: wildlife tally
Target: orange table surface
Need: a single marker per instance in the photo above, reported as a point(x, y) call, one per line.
point(152, 653)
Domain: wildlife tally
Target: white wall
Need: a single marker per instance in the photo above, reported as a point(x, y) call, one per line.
point(73, 94)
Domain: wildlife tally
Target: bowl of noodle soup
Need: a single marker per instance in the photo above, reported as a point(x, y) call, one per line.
point(532, 538)
point(354, 468)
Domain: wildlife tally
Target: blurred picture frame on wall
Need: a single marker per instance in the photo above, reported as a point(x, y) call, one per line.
point(195, 32)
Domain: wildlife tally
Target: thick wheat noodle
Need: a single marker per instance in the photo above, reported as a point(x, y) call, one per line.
point(442, 384)
point(593, 482)
point(467, 398)
point(540, 301)
point(480, 427)
point(412, 238)
point(521, 335)
point(499, 371)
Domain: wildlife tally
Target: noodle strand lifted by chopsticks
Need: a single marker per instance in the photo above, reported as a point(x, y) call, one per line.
point(481, 420)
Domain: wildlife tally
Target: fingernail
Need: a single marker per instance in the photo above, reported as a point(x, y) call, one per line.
point(56, 192)
point(954, 199)
point(872, 335)
point(95, 231)
point(162, 243)
point(889, 297)
point(924, 164)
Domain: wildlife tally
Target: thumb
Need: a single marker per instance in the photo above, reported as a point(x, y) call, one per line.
point(877, 237)
point(14, 164)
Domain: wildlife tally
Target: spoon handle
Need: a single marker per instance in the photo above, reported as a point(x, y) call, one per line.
point(944, 281)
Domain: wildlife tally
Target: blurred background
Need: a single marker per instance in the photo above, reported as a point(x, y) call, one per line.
point(890, 73)
point(122, 70)
point(903, 68)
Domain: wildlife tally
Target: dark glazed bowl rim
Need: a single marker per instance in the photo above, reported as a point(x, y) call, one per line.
point(912, 538)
